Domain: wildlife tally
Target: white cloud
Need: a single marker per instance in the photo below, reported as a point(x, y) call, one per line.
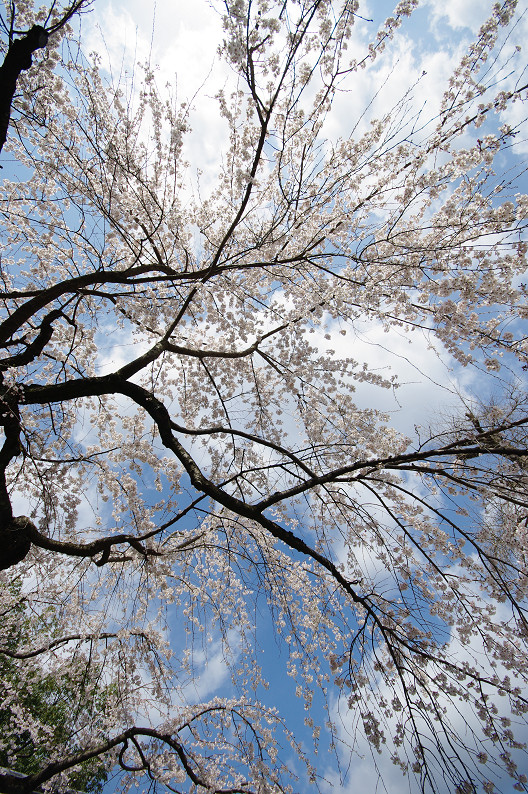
point(211, 673)
point(458, 15)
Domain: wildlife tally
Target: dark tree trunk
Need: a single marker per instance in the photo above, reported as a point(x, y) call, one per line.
point(18, 58)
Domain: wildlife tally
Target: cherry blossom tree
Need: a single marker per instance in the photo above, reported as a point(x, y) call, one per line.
point(218, 462)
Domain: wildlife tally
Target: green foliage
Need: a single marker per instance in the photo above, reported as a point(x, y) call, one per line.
point(55, 704)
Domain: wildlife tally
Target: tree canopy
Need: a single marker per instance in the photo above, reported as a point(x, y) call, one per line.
point(193, 446)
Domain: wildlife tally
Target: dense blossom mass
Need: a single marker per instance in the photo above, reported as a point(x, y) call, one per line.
point(187, 454)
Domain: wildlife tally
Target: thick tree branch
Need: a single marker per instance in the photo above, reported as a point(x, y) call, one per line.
point(44, 297)
point(10, 784)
